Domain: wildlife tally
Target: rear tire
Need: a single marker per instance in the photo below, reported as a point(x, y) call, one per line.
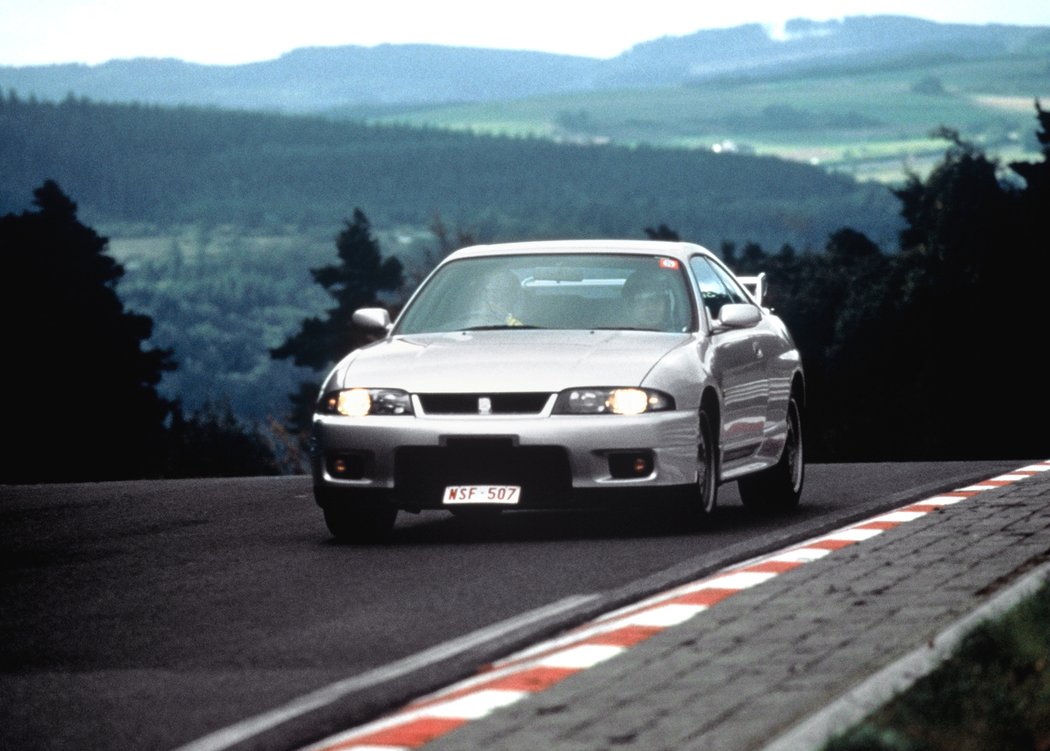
point(778, 489)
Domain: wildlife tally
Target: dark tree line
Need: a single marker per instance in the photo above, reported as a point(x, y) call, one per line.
point(934, 351)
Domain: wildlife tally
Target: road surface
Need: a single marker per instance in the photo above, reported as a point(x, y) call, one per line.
point(152, 614)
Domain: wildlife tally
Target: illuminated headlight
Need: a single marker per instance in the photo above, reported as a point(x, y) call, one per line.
point(361, 402)
point(616, 401)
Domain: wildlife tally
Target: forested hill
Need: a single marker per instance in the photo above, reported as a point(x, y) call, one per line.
point(164, 167)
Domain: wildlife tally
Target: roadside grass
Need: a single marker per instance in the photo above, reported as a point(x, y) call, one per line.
point(993, 693)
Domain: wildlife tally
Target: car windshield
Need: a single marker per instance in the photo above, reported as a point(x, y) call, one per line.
point(555, 291)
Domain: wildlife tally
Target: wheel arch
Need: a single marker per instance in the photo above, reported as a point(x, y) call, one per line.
point(798, 389)
point(712, 406)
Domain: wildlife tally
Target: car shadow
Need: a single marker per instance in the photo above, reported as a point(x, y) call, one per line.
point(442, 527)
point(528, 526)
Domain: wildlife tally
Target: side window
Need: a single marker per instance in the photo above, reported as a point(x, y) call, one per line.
point(715, 286)
point(732, 285)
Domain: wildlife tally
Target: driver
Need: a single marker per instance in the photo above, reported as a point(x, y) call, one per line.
point(648, 300)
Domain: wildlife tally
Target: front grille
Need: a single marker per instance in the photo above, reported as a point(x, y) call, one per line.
point(475, 404)
point(423, 472)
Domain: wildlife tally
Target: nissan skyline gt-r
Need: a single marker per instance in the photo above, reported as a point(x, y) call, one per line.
point(559, 374)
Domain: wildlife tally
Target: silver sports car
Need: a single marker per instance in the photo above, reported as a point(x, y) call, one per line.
point(556, 374)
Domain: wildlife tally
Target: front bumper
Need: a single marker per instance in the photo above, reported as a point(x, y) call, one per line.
point(556, 459)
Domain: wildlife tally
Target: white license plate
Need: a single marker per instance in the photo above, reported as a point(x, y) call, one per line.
point(464, 494)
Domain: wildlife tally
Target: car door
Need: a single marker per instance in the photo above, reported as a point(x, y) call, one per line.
point(738, 362)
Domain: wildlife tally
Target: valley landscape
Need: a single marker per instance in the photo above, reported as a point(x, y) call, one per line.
point(220, 187)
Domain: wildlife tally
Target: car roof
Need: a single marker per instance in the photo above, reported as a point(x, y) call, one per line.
point(679, 250)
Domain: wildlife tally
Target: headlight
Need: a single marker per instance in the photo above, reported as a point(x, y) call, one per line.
point(361, 402)
point(616, 401)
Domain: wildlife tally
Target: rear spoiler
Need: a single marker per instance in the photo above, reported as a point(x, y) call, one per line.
point(756, 285)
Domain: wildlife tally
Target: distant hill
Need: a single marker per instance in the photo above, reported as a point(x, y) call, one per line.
point(317, 80)
point(313, 79)
point(805, 46)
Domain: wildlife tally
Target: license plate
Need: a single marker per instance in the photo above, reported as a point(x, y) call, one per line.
point(464, 494)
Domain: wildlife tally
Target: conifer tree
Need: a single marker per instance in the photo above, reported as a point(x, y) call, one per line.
point(354, 282)
point(78, 387)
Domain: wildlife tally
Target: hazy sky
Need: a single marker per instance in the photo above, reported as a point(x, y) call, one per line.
point(236, 31)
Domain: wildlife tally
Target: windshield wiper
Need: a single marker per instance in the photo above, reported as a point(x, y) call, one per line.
point(500, 327)
point(624, 328)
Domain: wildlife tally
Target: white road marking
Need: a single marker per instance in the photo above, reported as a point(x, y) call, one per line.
point(475, 705)
point(800, 555)
point(940, 500)
point(581, 656)
point(897, 517)
point(737, 580)
point(663, 616)
point(852, 534)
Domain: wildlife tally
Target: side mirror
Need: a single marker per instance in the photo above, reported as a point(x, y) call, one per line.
point(738, 316)
point(373, 319)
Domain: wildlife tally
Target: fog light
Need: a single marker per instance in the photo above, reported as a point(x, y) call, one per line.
point(347, 465)
point(630, 464)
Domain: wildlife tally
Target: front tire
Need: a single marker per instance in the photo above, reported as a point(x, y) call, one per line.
point(699, 500)
point(353, 520)
point(778, 489)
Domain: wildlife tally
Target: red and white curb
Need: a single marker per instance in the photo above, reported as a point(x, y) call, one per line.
point(535, 669)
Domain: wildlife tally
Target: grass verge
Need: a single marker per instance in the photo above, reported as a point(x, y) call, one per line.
point(993, 693)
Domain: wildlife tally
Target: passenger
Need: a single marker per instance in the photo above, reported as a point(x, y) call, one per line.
point(499, 298)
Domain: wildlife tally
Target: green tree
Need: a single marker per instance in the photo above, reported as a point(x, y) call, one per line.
point(969, 313)
point(78, 387)
point(835, 305)
point(447, 241)
point(354, 282)
point(662, 232)
point(213, 442)
point(1033, 209)
point(928, 353)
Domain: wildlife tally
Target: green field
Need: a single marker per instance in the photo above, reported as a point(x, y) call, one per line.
point(871, 123)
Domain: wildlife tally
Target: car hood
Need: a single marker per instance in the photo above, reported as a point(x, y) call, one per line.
point(512, 360)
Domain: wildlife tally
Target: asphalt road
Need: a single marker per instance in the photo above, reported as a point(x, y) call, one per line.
point(153, 614)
